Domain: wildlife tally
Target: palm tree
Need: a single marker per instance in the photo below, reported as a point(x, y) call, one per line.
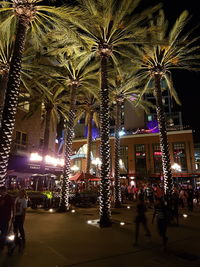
point(174, 50)
point(124, 88)
point(53, 99)
point(88, 107)
point(72, 72)
point(24, 14)
point(113, 29)
point(6, 48)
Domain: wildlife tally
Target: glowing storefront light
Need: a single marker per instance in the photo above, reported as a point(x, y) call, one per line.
point(11, 237)
point(35, 157)
point(74, 168)
point(96, 161)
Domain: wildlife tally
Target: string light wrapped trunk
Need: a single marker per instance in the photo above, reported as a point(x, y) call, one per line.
point(166, 166)
point(64, 197)
point(11, 97)
point(105, 201)
point(117, 155)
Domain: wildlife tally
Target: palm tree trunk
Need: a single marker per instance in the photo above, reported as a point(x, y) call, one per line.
point(46, 137)
point(11, 99)
point(105, 202)
point(3, 86)
point(118, 199)
point(89, 149)
point(47, 130)
point(64, 198)
point(89, 142)
point(166, 165)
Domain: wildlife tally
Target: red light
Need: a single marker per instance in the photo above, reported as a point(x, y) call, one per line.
point(158, 153)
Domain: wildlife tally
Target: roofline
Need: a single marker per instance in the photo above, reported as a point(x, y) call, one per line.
point(139, 135)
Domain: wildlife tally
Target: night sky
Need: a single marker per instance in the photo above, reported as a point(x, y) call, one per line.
point(186, 83)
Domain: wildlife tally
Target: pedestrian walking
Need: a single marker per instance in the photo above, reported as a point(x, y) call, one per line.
point(160, 213)
point(183, 197)
point(141, 193)
point(174, 213)
point(6, 213)
point(141, 219)
point(130, 195)
point(190, 197)
point(149, 196)
point(19, 216)
point(196, 196)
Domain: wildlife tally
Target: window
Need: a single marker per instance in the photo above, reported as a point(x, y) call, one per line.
point(140, 160)
point(123, 162)
point(20, 141)
point(157, 157)
point(179, 155)
point(24, 103)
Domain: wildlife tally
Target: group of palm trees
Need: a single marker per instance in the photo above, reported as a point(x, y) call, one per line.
point(72, 59)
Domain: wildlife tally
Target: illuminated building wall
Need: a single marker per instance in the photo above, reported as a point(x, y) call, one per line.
point(144, 156)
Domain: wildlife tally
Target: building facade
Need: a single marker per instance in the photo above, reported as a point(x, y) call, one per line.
point(140, 155)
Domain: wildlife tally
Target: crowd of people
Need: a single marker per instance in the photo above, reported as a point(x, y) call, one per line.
point(12, 217)
point(184, 196)
point(166, 208)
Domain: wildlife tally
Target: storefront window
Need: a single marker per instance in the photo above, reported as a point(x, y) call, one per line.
point(123, 162)
point(140, 159)
point(157, 157)
point(179, 155)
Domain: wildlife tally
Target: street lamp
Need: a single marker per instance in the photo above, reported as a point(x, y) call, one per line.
point(122, 132)
point(176, 167)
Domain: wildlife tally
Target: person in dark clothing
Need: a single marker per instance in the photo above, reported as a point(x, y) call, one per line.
point(190, 193)
point(6, 210)
point(160, 213)
point(174, 207)
point(196, 195)
point(141, 219)
point(19, 215)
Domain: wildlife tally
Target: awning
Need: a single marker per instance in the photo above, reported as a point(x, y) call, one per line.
point(80, 176)
point(77, 177)
point(20, 174)
point(28, 174)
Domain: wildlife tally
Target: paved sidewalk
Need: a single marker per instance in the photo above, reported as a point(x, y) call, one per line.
point(63, 240)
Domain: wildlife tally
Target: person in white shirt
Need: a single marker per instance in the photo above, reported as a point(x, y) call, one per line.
point(19, 215)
